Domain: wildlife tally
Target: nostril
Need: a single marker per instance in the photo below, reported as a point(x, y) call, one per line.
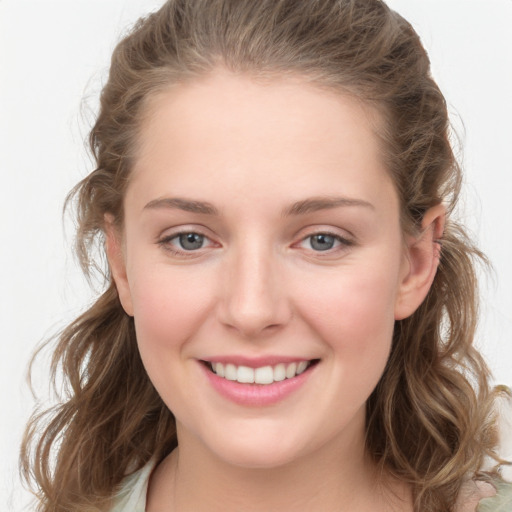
point(252, 322)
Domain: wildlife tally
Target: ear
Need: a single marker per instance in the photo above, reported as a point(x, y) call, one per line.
point(117, 263)
point(420, 263)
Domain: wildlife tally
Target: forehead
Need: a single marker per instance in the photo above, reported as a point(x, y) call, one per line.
point(278, 134)
point(236, 101)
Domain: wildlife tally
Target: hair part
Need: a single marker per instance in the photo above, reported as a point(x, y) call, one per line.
point(429, 419)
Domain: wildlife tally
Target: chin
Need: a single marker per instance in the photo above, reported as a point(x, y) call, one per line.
point(258, 458)
point(254, 450)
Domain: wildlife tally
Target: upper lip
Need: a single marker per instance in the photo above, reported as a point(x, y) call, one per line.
point(256, 362)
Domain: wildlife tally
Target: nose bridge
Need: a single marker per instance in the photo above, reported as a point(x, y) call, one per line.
point(254, 298)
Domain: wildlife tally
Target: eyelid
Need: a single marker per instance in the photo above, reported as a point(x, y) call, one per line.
point(345, 242)
point(164, 240)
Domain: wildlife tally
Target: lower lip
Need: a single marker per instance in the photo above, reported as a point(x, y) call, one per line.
point(257, 395)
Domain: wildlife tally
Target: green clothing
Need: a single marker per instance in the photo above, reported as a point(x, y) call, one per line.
point(132, 496)
point(502, 502)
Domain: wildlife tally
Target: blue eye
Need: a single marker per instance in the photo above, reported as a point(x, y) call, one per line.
point(185, 244)
point(325, 242)
point(322, 241)
point(190, 241)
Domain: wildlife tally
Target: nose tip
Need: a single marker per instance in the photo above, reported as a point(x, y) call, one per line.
point(252, 315)
point(254, 302)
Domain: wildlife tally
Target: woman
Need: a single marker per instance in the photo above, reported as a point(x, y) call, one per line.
point(291, 310)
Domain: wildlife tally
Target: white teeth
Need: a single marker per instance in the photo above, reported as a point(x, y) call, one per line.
point(230, 372)
point(279, 372)
point(291, 370)
point(262, 375)
point(301, 367)
point(245, 375)
point(218, 368)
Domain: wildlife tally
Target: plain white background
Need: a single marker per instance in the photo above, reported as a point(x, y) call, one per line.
point(54, 57)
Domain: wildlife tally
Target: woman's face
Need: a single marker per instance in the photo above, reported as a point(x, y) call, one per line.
point(261, 236)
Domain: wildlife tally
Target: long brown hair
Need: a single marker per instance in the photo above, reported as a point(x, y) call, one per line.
point(428, 420)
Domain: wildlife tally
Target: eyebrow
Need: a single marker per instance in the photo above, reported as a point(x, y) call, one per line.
point(315, 204)
point(303, 207)
point(186, 205)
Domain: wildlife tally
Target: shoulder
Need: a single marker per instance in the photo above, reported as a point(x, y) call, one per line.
point(503, 407)
point(479, 496)
point(131, 497)
point(501, 502)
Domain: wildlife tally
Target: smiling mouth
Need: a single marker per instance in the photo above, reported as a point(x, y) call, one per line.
point(264, 375)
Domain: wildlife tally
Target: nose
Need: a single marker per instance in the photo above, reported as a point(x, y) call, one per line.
point(254, 301)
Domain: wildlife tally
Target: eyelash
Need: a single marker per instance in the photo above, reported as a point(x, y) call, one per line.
point(166, 244)
point(344, 243)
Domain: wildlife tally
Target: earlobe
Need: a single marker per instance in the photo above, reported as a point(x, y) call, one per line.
point(422, 260)
point(116, 260)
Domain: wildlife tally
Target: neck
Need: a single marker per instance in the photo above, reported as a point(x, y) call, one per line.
point(337, 477)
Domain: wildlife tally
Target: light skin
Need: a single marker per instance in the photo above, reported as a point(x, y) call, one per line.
point(298, 253)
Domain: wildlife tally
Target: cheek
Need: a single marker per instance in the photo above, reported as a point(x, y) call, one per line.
point(168, 307)
point(354, 313)
point(168, 304)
